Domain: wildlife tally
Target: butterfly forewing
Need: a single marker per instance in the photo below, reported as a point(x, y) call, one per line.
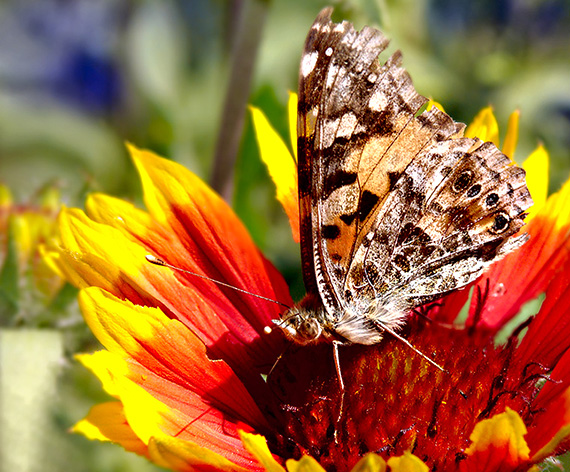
point(397, 208)
point(343, 143)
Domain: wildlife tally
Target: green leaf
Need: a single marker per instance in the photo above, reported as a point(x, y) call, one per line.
point(9, 275)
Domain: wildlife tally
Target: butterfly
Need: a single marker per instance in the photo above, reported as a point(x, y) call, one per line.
point(397, 207)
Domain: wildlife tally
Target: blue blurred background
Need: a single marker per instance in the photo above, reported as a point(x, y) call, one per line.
point(78, 78)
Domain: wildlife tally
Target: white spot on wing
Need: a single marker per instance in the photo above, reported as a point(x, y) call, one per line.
point(347, 124)
point(329, 51)
point(329, 132)
point(308, 63)
point(331, 75)
point(377, 101)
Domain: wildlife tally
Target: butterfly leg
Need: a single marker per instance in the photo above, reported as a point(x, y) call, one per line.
point(336, 357)
point(383, 327)
point(423, 312)
point(287, 346)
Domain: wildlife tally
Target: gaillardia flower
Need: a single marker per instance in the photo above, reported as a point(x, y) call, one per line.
point(27, 285)
point(195, 378)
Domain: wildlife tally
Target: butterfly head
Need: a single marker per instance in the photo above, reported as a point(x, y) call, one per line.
point(306, 322)
point(300, 325)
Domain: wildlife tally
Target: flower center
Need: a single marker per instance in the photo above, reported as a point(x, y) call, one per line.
point(394, 400)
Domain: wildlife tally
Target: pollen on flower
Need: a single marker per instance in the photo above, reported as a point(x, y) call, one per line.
point(396, 401)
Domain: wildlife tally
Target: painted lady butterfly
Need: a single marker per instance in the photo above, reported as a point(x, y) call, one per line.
point(397, 207)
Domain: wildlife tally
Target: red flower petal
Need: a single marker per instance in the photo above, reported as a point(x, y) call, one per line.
point(199, 233)
point(209, 230)
point(555, 385)
point(216, 245)
point(547, 337)
point(551, 428)
point(447, 309)
point(158, 365)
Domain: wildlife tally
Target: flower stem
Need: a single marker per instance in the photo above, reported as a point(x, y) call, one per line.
point(244, 52)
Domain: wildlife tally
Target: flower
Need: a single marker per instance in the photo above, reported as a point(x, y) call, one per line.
point(28, 287)
point(494, 390)
point(194, 376)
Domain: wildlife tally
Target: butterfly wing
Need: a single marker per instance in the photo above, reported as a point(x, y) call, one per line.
point(336, 133)
point(397, 207)
point(442, 225)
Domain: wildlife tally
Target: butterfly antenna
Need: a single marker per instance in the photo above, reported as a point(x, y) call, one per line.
point(159, 262)
point(411, 346)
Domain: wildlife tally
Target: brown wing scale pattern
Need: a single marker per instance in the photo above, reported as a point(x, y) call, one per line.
point(442, 225)
point(397, 207)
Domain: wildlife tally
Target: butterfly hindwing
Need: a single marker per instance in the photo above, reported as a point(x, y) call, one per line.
point(442, 225)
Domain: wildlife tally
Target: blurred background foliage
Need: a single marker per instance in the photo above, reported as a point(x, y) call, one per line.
point(78, 78)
